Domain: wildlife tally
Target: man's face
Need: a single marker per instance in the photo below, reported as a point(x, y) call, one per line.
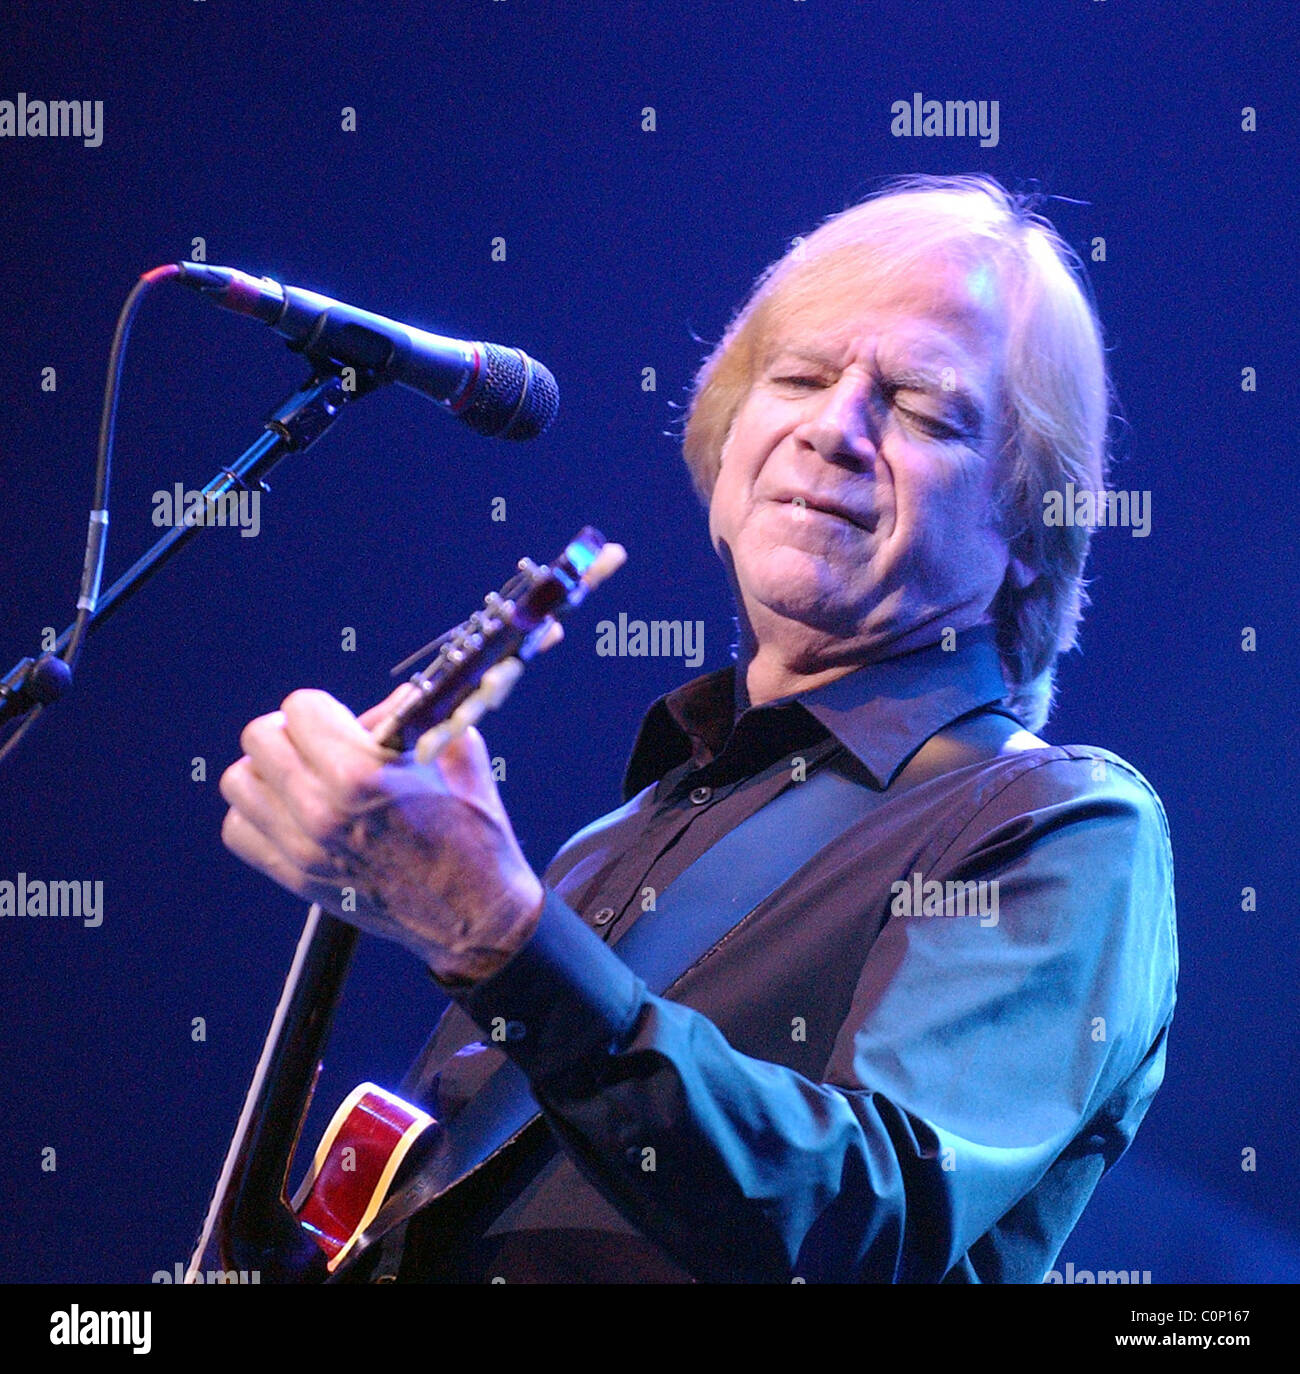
point(854, 501)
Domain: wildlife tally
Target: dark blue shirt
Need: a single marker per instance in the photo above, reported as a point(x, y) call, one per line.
point(864, 1081)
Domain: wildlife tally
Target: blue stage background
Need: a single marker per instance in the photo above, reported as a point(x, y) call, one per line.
point(625, 249)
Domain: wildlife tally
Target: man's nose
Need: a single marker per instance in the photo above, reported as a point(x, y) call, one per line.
point(841, 425)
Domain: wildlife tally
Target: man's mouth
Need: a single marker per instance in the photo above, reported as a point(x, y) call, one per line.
point(820, 505)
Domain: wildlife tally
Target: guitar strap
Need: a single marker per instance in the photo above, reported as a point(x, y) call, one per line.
point(692, 916)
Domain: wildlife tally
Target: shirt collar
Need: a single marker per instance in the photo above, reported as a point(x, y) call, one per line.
point(882, 712)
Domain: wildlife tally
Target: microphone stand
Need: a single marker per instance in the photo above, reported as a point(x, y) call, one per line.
point(34, 683)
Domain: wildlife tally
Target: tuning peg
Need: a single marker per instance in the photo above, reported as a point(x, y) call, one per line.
point(546, 636)
point(490, 693)
point(607, 562)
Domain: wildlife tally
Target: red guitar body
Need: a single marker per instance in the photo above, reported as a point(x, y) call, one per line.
point(356, 1161)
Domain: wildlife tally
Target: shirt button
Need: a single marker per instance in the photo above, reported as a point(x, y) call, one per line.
point(699, 795)
point(604, 916)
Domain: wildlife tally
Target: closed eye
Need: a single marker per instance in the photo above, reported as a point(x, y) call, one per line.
point(935, 428)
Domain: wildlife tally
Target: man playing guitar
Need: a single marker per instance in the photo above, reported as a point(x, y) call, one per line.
point(857, 1082)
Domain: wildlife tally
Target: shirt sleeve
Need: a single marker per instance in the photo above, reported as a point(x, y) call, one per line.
point(978, 1047)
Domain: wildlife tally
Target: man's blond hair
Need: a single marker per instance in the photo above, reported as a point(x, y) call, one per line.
point(1056, 395)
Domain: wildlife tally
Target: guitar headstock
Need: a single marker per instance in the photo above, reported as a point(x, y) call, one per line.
point(475, 664)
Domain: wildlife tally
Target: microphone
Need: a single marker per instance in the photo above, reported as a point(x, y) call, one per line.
point(500, 392)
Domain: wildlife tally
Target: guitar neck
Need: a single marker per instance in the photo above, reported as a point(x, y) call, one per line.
point(250, 1223)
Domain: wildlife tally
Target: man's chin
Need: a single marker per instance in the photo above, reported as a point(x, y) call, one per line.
point(780, 604)
point(808, 607)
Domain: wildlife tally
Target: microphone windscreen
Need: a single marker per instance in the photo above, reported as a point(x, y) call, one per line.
point(516, 397)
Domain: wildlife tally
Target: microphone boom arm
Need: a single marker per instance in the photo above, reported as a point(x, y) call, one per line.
point(293, 428)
